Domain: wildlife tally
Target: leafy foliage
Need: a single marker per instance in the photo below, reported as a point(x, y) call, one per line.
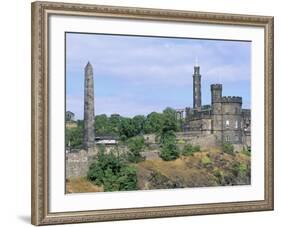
point(169, 149)
point(74, 136)
point(196, 148)
point(239, 169)
point(153, 123)
point(206, 161)
point(112, 172)
point(188, 149)
point(135, 145)
point(125, 127)
point(228, 148)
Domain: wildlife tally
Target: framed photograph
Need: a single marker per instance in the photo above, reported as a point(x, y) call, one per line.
point(149, 113)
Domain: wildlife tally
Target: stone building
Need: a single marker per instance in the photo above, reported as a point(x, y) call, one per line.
point(69, 116)
point(225, 118)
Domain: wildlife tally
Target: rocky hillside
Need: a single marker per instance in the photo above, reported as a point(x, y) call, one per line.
point(212, 168)
point(201, 169)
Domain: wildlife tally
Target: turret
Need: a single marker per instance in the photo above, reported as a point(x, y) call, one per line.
point(216, 93)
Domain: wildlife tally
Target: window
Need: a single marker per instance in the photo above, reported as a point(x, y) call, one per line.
point(236, 124)
point(227, 123)
point(227, 138)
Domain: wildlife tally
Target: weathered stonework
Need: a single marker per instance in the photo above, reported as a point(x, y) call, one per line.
point(77, 164)
point(197, 88)
point(224, 118)
point(89, 112)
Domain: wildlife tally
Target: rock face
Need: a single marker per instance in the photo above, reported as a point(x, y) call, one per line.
point(89, 111)
point(203, 169)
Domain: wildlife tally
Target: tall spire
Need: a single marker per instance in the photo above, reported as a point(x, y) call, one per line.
point(196, 61)
point(89, 113)
point(196, 86)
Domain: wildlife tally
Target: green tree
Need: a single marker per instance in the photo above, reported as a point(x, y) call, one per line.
point(114, 122)
point(138, 124)
point(169, 149)
point(74, 137)
point(102, 125)
point(135, 145)
point(127, 179)
point(153, 123)
point(126, 128)
point(170, 122)
point(111, 172)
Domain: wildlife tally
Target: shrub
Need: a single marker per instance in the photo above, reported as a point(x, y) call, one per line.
point(239, 169)
point(228, 148)
point(169, 149)
point(196, 148)
point(128, 179)
point(135, 145)
point(206, 161)
point(219, 174)
point(187, 150)
point(111, 172)
point(246, 151)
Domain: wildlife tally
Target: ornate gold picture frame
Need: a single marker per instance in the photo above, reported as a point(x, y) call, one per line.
point(41, 68)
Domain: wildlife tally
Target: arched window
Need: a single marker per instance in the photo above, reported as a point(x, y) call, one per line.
point(236, 124)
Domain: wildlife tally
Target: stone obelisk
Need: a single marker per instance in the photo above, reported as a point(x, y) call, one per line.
point(89, 111)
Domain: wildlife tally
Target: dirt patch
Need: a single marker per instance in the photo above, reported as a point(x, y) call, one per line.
point(80, 184)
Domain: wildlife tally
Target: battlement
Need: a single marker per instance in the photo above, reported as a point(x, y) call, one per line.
point(216, 86)
point(231, 99)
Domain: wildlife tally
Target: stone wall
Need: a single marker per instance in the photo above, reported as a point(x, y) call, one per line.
point(78, 161)
point(204, 142)
point(77, 164)
point(151, 155)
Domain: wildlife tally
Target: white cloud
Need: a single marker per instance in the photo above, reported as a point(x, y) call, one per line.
point(149, 62)
point(145, 61)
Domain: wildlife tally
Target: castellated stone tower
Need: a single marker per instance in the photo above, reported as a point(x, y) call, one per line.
point(89, 111)
point(226, 116)
point(196, 88)
point(216, 92)
point(217, 117)
point(232, 119)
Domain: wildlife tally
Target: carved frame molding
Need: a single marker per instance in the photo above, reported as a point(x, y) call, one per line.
point(40, 98)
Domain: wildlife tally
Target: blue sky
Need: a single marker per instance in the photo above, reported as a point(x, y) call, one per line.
point(137, 75)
